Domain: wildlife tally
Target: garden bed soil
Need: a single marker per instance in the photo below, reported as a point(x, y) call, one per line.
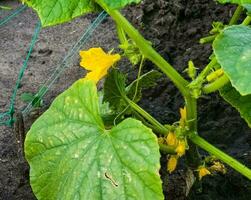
point(174, 27)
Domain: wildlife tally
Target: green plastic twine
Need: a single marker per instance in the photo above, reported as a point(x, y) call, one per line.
point(12, 15)
point(6, 118)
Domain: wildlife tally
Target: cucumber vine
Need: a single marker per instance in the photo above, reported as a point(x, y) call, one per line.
point(103, 145)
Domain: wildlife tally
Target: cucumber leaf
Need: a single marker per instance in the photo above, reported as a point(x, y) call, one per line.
point(73, 156)
point(233, 51)
point(241, 103)
point(114, 88)
point(52, 12)
point(245, 3)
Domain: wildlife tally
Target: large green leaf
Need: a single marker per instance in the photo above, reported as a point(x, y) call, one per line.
point(233, 51)
point(52, 12)
point(241, 103)
point(245, 3)
point(73, 156)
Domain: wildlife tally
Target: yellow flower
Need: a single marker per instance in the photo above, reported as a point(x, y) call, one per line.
point(171, 139)
point(97, 62)
point(203, 171)
point(181, 148)
point(172, 163)
point(183, 116)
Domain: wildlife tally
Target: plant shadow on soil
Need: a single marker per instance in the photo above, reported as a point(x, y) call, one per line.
point(174, 27)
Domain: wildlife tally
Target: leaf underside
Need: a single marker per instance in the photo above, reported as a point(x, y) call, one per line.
point(52, 12)
point(73, 156)
point(241, 103)
point(114, 88)
point(233, 51)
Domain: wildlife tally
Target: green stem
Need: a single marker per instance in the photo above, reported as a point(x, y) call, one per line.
point(207, 39)
point(158, 126)
point(147, 123)
point(247, 21)
point(167, 149)
point(216, 85)
point(147, 49)
point(222, 156)
point(198, 82)
point(207, 69)
point(236, 15)
point(192, 155)
point(191, 106)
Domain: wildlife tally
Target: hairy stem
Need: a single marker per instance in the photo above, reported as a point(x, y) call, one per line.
point(207, 69)
point(222, 156)
point(236, 15)
point(247, 21)
point(158, 126)
point(192, 155)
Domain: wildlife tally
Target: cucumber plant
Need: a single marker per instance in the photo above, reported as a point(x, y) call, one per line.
point(101, 144)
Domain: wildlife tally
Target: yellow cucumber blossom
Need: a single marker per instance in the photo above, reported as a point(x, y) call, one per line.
point(97, 62)
point(181, 148)
point(172, 164)
point(178, 144)
point(171, 139)
point(203, 171)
